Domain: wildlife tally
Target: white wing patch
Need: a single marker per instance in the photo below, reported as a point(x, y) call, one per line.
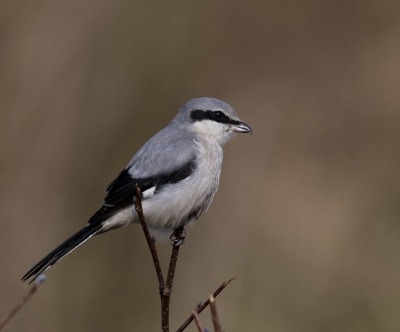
point(149, 192)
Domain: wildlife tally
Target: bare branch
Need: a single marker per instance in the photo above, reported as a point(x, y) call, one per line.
point(173, 260)
point(203, 306)
point(150, 241)
point(166, 292)
point(165, 289)
point(197, 320)
point(40, 279)
point(215, 319)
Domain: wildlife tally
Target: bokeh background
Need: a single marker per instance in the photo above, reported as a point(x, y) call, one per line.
point(307, 214)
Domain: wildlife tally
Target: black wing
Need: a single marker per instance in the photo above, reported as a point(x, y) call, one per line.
point(121, 192)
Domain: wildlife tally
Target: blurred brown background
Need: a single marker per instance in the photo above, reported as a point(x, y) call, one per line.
point(307, 215)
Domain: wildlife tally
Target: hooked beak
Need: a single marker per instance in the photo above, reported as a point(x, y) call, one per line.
point(241, 127)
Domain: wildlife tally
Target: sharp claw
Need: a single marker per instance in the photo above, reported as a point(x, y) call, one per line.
point(178, 237)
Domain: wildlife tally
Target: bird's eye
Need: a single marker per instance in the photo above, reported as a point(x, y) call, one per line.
point(218, 115)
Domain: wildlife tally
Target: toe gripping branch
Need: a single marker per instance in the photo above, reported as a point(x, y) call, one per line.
point(178, 237)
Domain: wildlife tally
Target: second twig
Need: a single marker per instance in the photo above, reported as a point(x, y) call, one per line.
point(150, 240)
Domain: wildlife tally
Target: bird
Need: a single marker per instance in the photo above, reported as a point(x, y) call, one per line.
point(177, 171)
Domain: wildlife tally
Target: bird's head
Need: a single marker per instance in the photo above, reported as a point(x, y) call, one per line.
point(212, 118)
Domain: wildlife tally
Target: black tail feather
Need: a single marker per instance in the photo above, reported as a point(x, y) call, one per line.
point(62, 250)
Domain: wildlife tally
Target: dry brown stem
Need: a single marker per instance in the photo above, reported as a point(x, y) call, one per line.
point(197, 320)
point(165, 289)
point(215, 319)
point(203, 306)
point(40, 279)
point(150, 241)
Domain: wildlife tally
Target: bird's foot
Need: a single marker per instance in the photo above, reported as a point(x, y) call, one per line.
point(178, 237)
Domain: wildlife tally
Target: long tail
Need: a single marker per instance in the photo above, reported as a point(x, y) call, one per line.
point(62, 250)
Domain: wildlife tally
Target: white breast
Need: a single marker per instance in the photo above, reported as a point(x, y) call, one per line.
point(182, 203)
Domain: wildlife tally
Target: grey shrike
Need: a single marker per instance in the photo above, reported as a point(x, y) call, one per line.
point(177, 171)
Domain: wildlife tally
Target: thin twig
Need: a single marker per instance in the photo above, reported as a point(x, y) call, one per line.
point(150, 241)
point(203, 306)
point(172, 262)
point(215, 319)
point(166, 292)
point(197, 321)
point(40, 279)
point(165, 289)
